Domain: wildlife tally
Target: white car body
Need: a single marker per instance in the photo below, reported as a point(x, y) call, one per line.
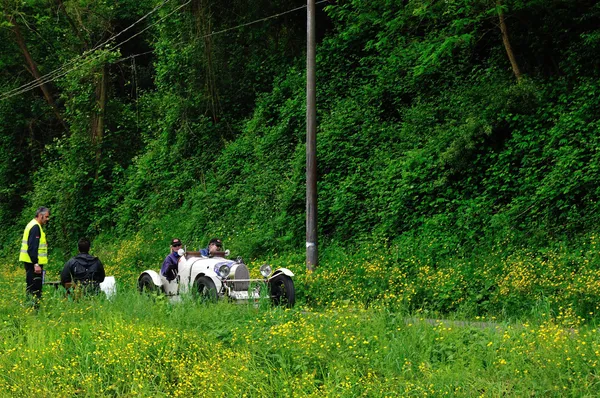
point(193, 268)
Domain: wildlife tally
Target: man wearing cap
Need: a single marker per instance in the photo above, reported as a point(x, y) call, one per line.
point(215, 247)
point(34, 252)
point(170, 265)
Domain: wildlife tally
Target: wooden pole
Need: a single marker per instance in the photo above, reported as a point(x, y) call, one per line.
point(311, 142)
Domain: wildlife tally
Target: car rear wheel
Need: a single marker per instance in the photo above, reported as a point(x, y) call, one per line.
point(206, 290)
point(146, 284)
point(282, 291)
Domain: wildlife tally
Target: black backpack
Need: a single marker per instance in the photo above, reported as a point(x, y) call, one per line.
point(84, 272)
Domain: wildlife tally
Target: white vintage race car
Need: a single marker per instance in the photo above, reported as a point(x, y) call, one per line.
point(212, 278)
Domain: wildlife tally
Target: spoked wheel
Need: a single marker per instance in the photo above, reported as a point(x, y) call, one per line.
point(206, 290)
point(146, 285)
point(282, 291)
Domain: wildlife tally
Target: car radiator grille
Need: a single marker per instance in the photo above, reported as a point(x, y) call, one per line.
point(241, 272)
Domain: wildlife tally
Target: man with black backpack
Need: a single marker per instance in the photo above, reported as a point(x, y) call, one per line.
point(83, 270)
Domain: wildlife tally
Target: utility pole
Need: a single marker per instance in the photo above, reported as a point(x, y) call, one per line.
point(311, 142)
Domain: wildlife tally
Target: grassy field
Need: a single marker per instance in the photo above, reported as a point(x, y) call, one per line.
point(135, 345)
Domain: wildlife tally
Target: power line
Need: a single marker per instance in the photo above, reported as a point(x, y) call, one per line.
point(261, 20)
point(133, 56)
point(228, 29)
point(54, 75)
point(50, 76)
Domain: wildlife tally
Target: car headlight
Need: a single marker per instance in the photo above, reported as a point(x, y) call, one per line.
point(265, 270)
point(224, 271)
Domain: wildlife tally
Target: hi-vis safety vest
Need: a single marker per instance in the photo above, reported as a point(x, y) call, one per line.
point(43, 249)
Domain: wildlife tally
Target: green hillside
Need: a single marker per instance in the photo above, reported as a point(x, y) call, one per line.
point(458, 142)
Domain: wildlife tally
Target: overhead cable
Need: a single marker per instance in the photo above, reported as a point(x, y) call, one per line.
point(228, 29)
point(55, 73)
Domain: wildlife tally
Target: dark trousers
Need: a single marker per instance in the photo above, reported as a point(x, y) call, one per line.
point(33, 280)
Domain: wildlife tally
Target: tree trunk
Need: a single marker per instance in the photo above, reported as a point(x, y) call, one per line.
point(98, 119)
point(33, 69)
point(506, 41)
point(203, 26)
point(76, 30)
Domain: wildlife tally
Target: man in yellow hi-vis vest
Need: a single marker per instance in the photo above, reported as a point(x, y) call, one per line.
point(34, 252)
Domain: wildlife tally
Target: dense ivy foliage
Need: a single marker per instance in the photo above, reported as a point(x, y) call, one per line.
point(449, 128)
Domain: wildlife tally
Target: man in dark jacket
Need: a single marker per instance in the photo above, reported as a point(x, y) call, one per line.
point(83, 269)
point(170, 266)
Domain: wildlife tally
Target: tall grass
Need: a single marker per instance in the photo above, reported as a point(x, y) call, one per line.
point(134, 345)
point(364, 326)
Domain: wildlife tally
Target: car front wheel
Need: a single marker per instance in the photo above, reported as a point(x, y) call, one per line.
point(146, 284)
point(282, 290)
point(205, 288)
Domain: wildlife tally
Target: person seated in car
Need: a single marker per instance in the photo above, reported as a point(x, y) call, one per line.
point(215, 248)
point(169, 267)
point(83, 270)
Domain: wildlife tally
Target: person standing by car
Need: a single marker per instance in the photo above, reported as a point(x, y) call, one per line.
point(83, 270)
point(34, 253)
point(169, 268)
point(215, 248)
